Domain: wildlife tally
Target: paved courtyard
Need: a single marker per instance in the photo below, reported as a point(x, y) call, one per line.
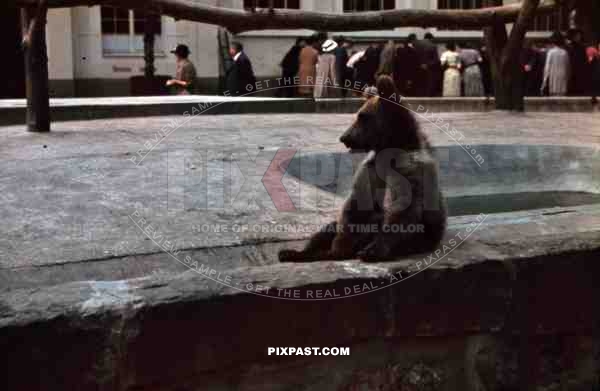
point(76, 202)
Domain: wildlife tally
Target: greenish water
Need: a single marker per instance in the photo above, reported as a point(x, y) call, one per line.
point(510, 202)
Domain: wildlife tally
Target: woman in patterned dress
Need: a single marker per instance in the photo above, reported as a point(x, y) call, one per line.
point(470, 59)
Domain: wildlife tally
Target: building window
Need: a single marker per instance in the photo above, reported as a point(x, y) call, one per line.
point(123, 31)
point(459, 4)
point(555, 21)
point(368, 5)
point(290, 4)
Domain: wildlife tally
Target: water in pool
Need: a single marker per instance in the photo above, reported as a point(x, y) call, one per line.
point(510, 202)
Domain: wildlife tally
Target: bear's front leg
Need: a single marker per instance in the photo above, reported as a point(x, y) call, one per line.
point(342, 248)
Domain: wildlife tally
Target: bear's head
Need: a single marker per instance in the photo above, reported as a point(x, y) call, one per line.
point(382, 122)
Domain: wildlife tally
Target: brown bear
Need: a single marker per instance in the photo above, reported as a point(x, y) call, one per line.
point(395, 207)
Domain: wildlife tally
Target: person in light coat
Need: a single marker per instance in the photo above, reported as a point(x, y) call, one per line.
point(326, 80)
point(556, 69)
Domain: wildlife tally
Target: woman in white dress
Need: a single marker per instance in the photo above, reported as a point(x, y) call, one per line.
point(557, 68)
point(451, 61)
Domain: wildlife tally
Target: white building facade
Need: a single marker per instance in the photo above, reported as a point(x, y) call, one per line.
point(93, 51)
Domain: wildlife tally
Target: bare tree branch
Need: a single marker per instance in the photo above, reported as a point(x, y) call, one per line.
point(236, 20)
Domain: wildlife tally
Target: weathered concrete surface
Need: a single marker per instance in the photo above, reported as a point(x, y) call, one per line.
point(12, 111)
point(68, 196)
point(513, 307)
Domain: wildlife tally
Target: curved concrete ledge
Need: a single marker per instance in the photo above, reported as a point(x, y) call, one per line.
point(12, 111)
point(490, 313)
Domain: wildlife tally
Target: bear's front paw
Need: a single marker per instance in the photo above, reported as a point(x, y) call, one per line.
point(374, 252)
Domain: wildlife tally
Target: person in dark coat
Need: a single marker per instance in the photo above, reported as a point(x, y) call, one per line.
point(486, 71)
point(533, 69)
point(431, 68)
point(593, 58)
point(579, 77)
point(289, 68)
point(344, 74)
point(406, 67)
point(367, 66)
point(239, 77)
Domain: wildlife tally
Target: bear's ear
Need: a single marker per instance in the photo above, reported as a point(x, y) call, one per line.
point(387, 91)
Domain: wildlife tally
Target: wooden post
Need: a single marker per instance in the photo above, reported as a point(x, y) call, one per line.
point(149, 32)
point(36, 67)
point(225, 61)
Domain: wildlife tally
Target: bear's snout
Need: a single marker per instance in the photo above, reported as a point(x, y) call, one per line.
point(345, 139)
point(348, 140)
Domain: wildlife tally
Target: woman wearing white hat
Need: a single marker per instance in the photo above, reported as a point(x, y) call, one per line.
point(326, 78)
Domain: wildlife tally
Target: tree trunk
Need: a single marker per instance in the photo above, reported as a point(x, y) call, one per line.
point(507, 77)
point(509, 92)
point(225, 61)
point(149, 68)
point(505, 52)
point(36, 68)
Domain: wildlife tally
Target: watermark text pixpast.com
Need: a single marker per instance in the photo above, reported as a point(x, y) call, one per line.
point(308, 351)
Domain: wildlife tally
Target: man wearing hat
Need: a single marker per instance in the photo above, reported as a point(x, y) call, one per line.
point(326, 81)
point(185, 76)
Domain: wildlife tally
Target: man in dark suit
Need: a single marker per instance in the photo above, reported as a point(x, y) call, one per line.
point(532, 68)
point(343, 73)
point(430, 78)
point(406, 67)
point(240, 78)
point(579, 75)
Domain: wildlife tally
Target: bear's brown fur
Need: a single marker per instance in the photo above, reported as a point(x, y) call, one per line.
point(395, 189)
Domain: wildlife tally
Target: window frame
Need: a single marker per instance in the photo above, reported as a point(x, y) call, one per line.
point(448, 6)
point(382, 6)
point(246, 4)
point(131, 34)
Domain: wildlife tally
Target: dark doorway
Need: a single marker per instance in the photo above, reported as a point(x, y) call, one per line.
point(13, 72)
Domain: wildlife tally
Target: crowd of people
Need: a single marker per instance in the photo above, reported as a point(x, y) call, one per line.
point(331, 67)
point(562, 66)
point(323, 67)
